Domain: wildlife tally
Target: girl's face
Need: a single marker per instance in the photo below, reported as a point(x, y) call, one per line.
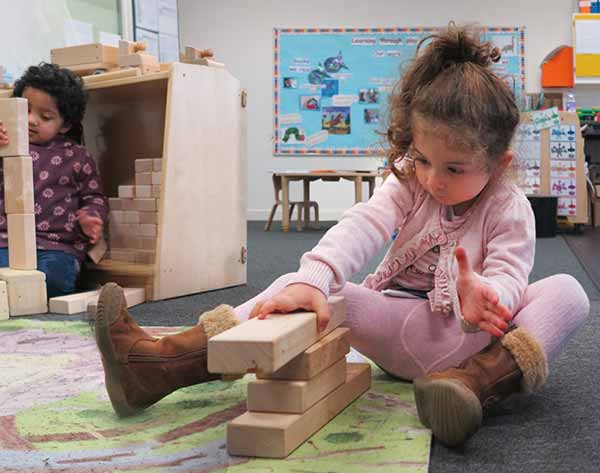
point(45, 121)
point(452, 177)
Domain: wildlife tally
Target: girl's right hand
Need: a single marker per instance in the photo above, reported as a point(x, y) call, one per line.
point(3, 135)
point(293, 297)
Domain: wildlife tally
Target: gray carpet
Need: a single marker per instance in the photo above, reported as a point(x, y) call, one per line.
point(556, 430)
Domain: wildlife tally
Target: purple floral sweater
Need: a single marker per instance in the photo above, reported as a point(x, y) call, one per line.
point(65, 179)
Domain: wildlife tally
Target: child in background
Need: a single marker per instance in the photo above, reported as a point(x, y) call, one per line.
point(70, 208)
point(466, 239)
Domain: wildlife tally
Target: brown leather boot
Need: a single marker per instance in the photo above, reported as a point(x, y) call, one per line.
point(140, 369)
point(451, 402)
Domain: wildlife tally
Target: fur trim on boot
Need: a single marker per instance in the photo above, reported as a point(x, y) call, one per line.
point(218, 320)
point(530, 358)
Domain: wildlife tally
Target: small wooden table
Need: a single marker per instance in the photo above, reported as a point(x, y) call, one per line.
point(307, 176)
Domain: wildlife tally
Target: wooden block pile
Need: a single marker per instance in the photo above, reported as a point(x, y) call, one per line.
point(133, 218)
point(202, 57)
point(25, 286)
point(302, 383)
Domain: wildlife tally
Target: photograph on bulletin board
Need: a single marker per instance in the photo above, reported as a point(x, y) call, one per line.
point(332, 85)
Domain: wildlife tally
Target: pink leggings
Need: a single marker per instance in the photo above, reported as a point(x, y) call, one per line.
point(406, 339)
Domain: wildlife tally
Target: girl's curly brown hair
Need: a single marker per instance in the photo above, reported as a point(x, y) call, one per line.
point(450, 89)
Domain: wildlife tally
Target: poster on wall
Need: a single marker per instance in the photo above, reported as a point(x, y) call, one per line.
point(331, 85)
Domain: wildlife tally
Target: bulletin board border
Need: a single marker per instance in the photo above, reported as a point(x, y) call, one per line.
point(277, 32)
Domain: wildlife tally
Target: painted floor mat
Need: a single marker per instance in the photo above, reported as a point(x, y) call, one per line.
point(55, 416)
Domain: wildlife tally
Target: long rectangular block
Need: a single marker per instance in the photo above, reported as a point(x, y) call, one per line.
point(294, 397)
point(14, 115)
point(85, 54)
point(266, 345)
point(273, 435)
point(26, 291)
point(18, 185)
point(126, 192)
point(144, 165)
point(80, 302)
point(314, 359)
point(22, 249)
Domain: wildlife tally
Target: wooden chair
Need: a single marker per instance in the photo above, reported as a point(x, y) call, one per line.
point(298, 203)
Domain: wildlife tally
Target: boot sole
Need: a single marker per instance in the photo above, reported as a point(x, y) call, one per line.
point(109, 302)
point(451, 410)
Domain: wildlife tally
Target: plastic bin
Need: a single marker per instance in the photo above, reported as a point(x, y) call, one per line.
point(544, 209)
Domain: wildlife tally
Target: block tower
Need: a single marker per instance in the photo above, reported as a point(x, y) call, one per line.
point(303, 380)
point(133, 218)
point(25, 286)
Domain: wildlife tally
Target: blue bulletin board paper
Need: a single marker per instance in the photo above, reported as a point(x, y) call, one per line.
point(331, 85)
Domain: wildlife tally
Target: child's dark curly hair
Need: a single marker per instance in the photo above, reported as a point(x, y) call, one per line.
point(64, 87)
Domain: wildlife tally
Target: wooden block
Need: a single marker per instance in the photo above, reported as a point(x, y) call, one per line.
point(97, 252)
point(143, 192)
point(147, 243)
point(126, 192)
point(4, 311)
point(122, 255)
point(85, 54)
point(156, 191)
point(125, 229)
point(145, 257)
point(133, 296)
point(22, 248)
point(139, 59)
point(144, 165)
point(315, 358)
point(156, 178)
point(148, 229)
point(128, 204)
point(18, 185)
point(149, 217)
point(26, 291)
point(73, 303)
point(124, 216)
point(114, 75)
point(157, 164)
point(143, 178)
point(114, 203)
point(266, 345)
point(145, 205)
point(294, 397)
point(14, 116)
point(273, 435)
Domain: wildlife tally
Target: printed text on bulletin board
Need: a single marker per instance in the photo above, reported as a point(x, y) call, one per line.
point(331, 85)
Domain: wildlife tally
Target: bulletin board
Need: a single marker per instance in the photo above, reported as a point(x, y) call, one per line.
point(586, 36)
point(331, 85)
point(552, 163)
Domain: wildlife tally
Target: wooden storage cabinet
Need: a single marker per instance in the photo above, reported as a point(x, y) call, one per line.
point(192, 117)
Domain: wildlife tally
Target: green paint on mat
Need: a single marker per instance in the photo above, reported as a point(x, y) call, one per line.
point(57, 416)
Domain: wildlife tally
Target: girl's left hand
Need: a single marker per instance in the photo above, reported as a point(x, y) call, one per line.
point(91, 226)
point(479, 303)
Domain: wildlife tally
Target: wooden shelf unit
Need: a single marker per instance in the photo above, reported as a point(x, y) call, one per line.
point(192, 117)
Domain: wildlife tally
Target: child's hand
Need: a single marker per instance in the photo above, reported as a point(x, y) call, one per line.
point(480, 303)
point(3, 135)
point(91, 226)
point(295, 296)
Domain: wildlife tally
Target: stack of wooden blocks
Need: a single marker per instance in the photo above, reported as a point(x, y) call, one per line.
point(303, 380)
point(24, 285)
point(133, 219)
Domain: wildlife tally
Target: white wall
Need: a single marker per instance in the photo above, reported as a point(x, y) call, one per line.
point(241, 34)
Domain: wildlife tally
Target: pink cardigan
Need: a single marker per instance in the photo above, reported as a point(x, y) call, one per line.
point(498, 235)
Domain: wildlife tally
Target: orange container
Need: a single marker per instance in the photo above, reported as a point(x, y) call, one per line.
point(557, 68)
